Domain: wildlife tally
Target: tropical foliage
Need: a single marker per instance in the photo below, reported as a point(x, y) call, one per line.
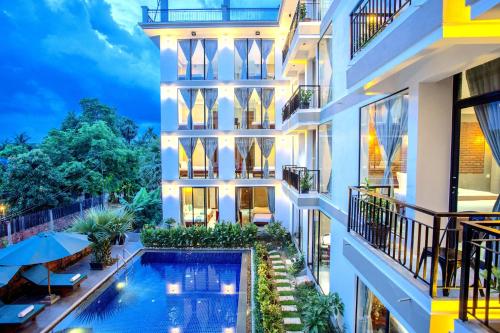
point(103, 227)
point(228, 235)
point(146, 207)
point(94, 151)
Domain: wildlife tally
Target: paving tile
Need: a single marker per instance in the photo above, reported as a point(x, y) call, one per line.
point(289, 308)
point(282, 281)
point(284, 289)
point(288, 321)
point(279, 266)
point(279, 273)
point(286, 298)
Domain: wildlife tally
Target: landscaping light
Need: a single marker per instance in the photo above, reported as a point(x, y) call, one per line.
point(228, 289)
point(120, 285)
point(173, 288)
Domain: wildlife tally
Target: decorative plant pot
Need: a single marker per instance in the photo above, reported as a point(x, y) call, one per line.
point(304, 190)
point(97, 266)
point(377, 234)
point(304, 105)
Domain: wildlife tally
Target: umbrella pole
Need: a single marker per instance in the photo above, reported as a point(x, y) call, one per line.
point(48, 282)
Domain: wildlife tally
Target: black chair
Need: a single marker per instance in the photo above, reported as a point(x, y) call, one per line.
point(450, 258)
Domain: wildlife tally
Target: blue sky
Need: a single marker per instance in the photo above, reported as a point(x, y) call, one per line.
point(55, 52)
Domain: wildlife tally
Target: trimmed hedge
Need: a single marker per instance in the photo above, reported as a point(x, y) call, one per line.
point(227, 235)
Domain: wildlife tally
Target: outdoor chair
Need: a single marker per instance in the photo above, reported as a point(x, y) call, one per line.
point(13, 316)
point(62, 282)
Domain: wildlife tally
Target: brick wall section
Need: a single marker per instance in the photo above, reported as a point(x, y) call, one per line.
point(472, 148)
point(59, 225)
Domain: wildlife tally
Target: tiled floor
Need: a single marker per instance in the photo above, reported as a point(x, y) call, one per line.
point(52, 312)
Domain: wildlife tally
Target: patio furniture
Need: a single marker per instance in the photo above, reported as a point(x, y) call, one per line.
point(63, 282)
point(15, 315)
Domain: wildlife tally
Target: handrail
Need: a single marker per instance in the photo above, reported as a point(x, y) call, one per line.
point(162, 15)
point(296, 102)
point(410, 234)
point(293, 175)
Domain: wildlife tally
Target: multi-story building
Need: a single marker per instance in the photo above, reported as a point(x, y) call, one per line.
point(364, 127)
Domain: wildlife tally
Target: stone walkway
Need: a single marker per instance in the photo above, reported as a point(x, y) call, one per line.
point(291, 318)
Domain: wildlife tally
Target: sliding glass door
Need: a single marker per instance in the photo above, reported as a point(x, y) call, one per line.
point(255, 205)
point(319, 248)
point(475, 183)
point(199, 206)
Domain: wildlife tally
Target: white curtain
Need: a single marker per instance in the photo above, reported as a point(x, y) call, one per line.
point(267, 98)
point(189, 97)
point(210, 146)
point(266, 146)
point(185, 46)
point(210, 52)
point(242, 95)
point(210, 99)
point(241, 47)
point(270, 199)
point(367, 310)
point(244, 145)
point(391, 124)
point(188, 144)
point(267, 47)
point(481, 80)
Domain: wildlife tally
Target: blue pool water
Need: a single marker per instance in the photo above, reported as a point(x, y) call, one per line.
point(168, 292)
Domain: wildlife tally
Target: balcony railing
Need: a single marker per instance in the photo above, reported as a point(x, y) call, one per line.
point(370, 17)
point(304, 97)
point(306, 11)
point(412, 236)
point(301, 179)
point(480, 264)
point(209, 14)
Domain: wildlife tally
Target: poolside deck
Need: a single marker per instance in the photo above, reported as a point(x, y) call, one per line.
point(95, 278)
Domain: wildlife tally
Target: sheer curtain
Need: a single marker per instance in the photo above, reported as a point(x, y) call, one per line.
point(270, 199)
point(484, 79)
point(241, 47)
point(267, 98)
point(244, 145)
point(210, 52)
point(391, 124)
point(242, 95)
point(189, 97)
point(185, 46)
point(210, 146)
point(266, 146)
point(188, 144)
point(210, 99)
point(267, 47)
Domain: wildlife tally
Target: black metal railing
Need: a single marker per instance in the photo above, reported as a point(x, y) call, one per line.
point(209, 14)
point(306, 11)
point(304, 97)
point(480, 278)
point(370, 17)
point(412, 236)
point(301, 179)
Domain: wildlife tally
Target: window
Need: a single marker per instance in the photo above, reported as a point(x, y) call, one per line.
point(325, 66)
point(371, 315)
point(254, 108)
point(384, 143)
point(255, 157)
point(297, 226)
point(255, 205)
point(319, 248)
point(198, 158)
point(197, 108)
point(253, 59)
point(199, 206)
point(325, 157)
point(476, 162)
point(197, 59)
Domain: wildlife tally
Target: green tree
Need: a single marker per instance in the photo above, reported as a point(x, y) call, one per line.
point(71, 121)
point(93, 111)
point(32, 182)
point(128, 128)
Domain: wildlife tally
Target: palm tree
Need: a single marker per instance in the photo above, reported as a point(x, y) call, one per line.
point(21, 139)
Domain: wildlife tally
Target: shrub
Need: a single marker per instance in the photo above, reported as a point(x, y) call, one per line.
point(146, 207)
point(278, 233)
point(226, 235)
point(298, 265)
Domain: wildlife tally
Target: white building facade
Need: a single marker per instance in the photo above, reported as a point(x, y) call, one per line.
point(284, 113)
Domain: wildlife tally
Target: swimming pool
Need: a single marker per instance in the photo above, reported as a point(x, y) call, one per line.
point(172, 292)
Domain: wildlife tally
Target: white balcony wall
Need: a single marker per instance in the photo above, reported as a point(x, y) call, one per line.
point(168, 59)
point(226, 157)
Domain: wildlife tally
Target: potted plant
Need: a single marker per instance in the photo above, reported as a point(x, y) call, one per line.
point(97, 224)
point(305, 182)
point(303, 12)
point(120, 225)
point(305, 96)
point(378, 231)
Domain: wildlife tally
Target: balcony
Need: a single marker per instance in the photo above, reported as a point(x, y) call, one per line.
point(480, 263)
point(307, 11)
point(305, 97)
point(370, 17)
point(301, 179)
point(426, 243)
point(221, 14)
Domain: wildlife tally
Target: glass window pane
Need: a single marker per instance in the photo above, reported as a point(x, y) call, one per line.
point(211, 59)
point(183, 162)
point(199, 161)
point(371, 316)
point(268, 48)
point(212, 206)
point(197, 60)
point(481, 79)
point(240, 63)
point(199, 213)
point(182, 59)
point(479, 172)
point(324, 253)
point(255, 108)
point(198, 112)
point(254, 59)
point(183, 111)
point(325, 66)
point(187, 205)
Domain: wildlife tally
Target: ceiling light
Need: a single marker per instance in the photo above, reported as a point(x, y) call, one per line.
point(257, 33)
point(193, 33)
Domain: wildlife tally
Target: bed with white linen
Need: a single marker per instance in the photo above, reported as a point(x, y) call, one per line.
point(261, 216)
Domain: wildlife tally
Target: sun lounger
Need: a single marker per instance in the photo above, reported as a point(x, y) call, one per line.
point(58, 281)
point(14, 315)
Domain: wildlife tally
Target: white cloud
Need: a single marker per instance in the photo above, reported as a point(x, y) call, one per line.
point(127, 13)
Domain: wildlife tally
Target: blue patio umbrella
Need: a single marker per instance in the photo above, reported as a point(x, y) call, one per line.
point(7, 273)
point(43, 248)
